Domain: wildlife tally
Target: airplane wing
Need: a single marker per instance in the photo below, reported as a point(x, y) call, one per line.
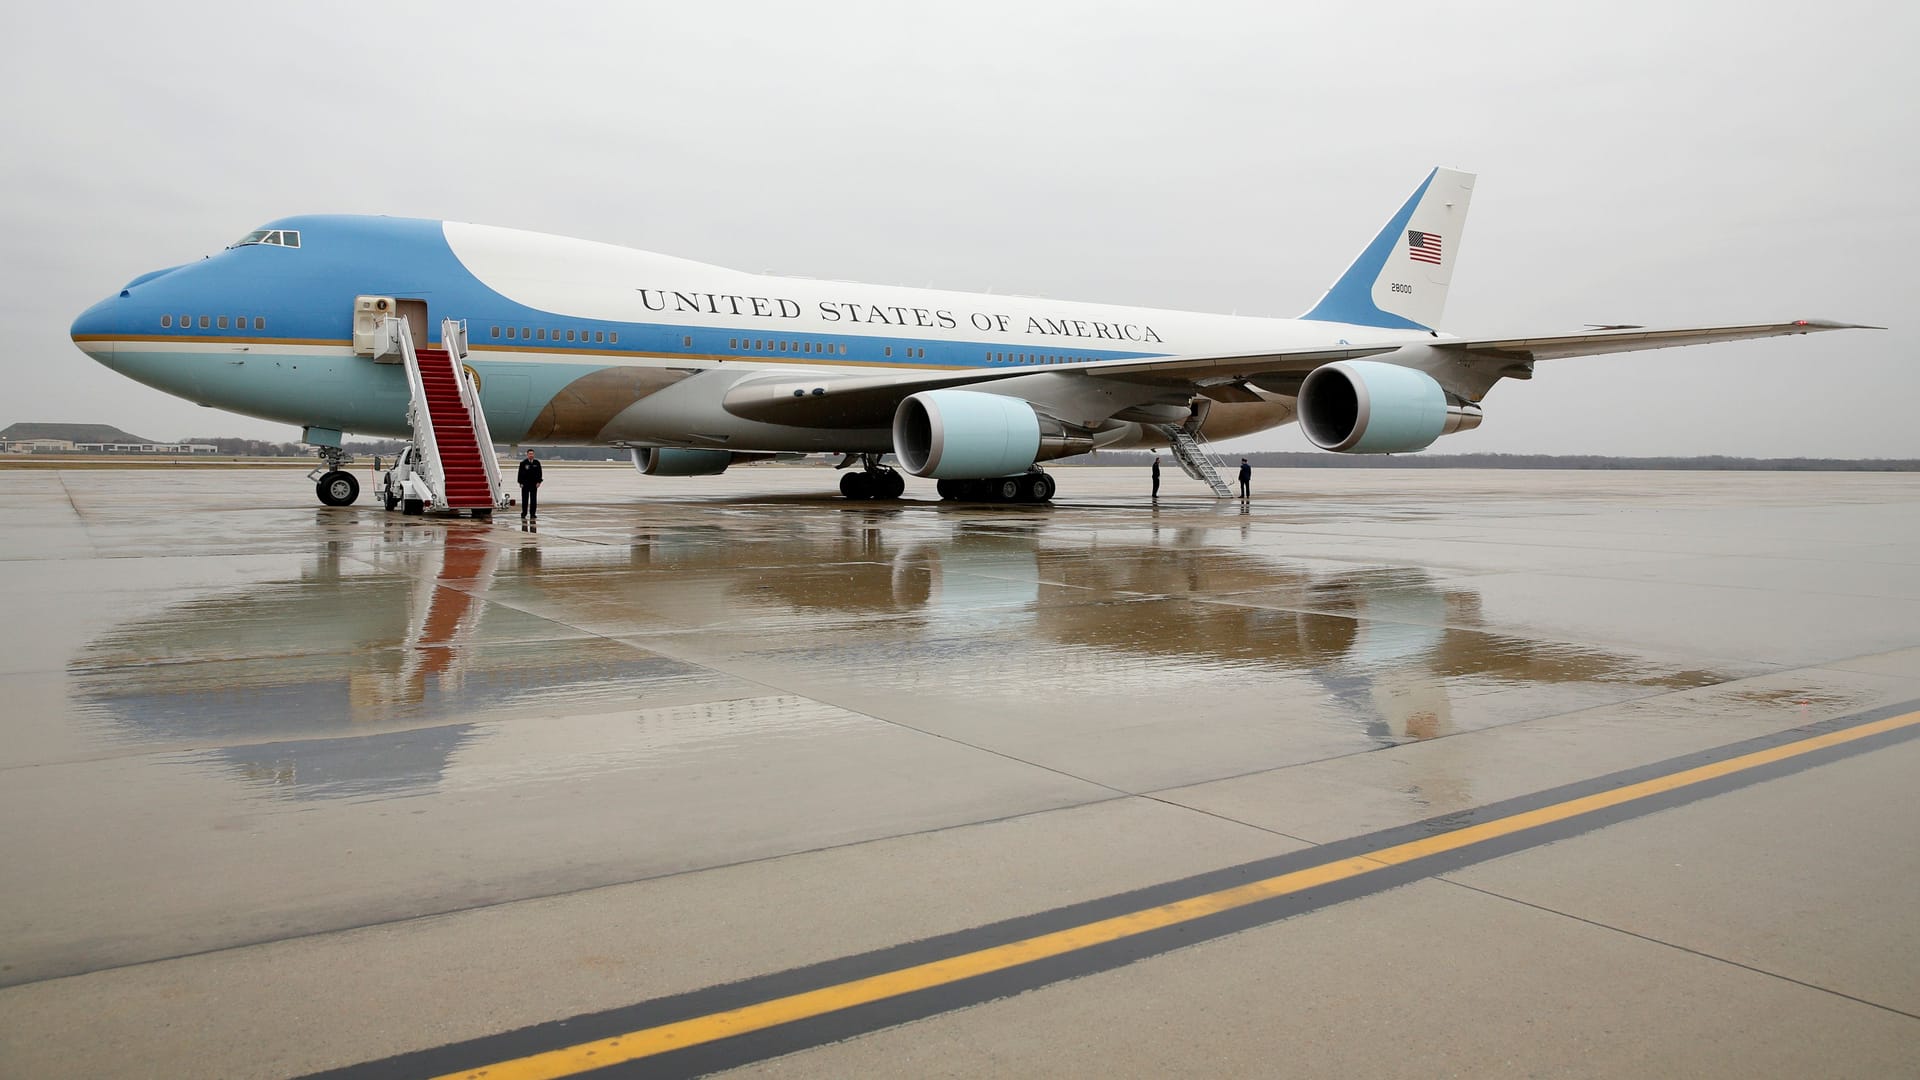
point(1635, 339)
point(827, 399)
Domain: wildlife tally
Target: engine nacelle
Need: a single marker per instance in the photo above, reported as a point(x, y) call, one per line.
point(679, 461)
point(967, 435)
point(1367, 407)
point(961, 434)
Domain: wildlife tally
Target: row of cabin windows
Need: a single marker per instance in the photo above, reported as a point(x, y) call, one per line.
point(772, 345)
point(209, 322)
point(541, 333)
point(1031, 358)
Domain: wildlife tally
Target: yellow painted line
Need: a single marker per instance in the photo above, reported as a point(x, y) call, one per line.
point(660, 1039)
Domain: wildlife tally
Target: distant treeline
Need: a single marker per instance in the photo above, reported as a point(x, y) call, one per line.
point(1311, 460)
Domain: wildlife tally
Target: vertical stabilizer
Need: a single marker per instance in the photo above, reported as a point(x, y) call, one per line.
point(1400, 280)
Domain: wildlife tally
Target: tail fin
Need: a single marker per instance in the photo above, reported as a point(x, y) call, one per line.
point(1400, 280)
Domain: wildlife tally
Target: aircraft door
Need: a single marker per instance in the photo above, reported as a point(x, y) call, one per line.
point(415, 312)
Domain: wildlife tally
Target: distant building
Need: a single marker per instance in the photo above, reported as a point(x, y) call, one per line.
point(89, 439)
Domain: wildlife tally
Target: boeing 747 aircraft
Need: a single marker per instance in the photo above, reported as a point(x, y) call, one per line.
point(695, 367)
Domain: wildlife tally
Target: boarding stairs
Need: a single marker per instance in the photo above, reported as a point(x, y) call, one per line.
point(449, 427)
point(1196, 458)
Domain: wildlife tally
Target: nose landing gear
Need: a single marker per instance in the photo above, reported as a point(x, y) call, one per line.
point(335, 486)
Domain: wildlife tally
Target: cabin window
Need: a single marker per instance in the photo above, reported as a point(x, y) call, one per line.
point(186, 321)
point(259, 322)
point(687, 341)
point(613, 337)
point(511, 333)
point(204, 322)
point(166, 322)
point(599, 335)
point(733, 343)
point(843, 350)
point(889, 350)
point(526, 334)
point(496, 331)
point(223, 322)
point(540, 334)
point(569, 335)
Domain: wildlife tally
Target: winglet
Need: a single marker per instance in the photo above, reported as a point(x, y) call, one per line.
point(1400, 280)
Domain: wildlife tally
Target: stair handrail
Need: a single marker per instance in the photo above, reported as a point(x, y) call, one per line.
point(453, 338)
point(419, 415)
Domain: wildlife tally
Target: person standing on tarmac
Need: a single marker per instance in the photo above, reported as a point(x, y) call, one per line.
point(530, 488)
point(1156, 476)
point(1246, 479)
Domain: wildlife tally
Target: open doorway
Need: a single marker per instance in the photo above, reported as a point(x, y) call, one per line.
point(415, 312)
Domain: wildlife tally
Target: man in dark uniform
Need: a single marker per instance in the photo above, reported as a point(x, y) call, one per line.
point(1156, 476)
point(1246, 478)
point(530, 488)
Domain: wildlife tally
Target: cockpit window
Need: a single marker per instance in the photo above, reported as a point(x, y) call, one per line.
point(276, 237)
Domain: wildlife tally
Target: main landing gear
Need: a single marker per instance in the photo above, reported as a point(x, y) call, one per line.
point(335, 486)
point(875, 481)
point(1034, 487)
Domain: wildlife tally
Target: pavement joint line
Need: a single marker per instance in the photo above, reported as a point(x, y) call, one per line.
point(699, 1038)
point(1674, 945)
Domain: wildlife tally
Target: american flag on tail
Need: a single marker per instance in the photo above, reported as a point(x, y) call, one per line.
point(1423, 246)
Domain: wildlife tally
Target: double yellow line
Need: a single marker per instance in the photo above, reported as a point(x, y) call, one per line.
point(660, 1039)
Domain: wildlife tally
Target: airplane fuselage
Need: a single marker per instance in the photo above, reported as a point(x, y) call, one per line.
point(578, 342)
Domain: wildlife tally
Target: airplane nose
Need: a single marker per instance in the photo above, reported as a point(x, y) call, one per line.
point(97, 326)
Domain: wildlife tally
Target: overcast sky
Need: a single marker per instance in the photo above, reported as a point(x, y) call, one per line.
point(1664, 163)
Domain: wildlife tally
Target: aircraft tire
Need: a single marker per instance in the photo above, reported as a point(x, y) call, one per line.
point(892, 485)
point(1007, 490)
point(947, 489)
point(854, 486)
point(337, 488)
point(1039, 487)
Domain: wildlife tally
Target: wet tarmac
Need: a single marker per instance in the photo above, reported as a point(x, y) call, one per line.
point(290, 788)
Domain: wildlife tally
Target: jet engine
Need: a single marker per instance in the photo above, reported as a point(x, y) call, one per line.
point(1367, 407)
point(965, 435)
point(679, 461)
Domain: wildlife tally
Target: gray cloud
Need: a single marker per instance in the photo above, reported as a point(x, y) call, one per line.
point(1651, 163)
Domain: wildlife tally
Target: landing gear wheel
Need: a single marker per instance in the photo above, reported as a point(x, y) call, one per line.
point(892, 485)
point(1039, 487)
point(337, 488)
point(1007, 490)
point(947, 489)
point(854, 486)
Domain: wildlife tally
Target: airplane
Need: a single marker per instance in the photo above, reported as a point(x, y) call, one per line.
point(694, 367)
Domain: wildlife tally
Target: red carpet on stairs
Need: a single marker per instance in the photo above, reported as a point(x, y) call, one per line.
point(466, 472)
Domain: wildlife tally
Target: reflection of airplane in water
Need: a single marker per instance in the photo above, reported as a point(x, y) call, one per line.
point(380, 687)
point(344, 680)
